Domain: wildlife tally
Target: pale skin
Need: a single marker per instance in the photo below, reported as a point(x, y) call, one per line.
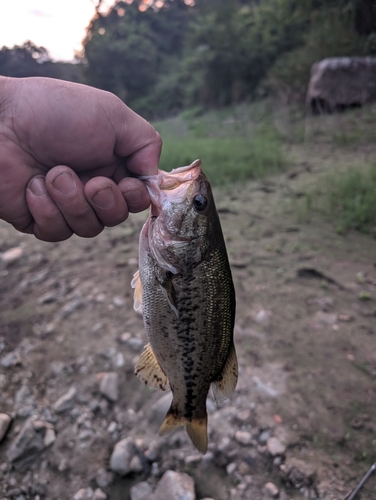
point(69, 158)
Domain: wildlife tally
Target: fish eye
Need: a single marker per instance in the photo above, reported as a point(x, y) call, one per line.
point(200, 202)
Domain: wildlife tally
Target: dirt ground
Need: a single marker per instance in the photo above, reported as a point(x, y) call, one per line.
point(305, 336)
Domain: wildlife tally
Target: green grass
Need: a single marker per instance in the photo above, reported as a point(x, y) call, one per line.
point(232, 146)
point(349, 198)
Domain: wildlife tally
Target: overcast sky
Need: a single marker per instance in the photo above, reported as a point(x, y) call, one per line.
point(57, 25)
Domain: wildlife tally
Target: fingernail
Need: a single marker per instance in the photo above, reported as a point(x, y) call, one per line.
point(133, 197)
point(65, 184)
point(104, 198)
point(38, 186)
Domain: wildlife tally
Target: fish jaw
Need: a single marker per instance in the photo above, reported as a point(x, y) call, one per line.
point(171, 187)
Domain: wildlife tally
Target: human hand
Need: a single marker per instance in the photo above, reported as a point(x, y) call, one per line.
point(67, 156)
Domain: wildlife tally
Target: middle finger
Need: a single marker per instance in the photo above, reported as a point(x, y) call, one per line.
point(67, 191)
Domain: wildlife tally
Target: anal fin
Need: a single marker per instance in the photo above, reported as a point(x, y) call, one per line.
point(149, 370)
point(225, 385)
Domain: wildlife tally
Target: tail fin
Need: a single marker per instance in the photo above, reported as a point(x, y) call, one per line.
point(196, 429)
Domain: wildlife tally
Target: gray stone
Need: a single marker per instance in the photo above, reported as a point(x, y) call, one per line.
point(136, 464)
point(11, 359)
point(109, 386)
point(99, 495)
point(103, 478)
point(66, 401)
point(122, 456)
point(23, 394)
point(340, 82)
point(275, 446)
point(11, 256)
point(84, 494)
point(70, 307)
point(5, 421)
point(264, 436)
point(271, 490)
point(136, 344)
point(175, 486)
point(28, 444)
point(141, 491)
point(243, 437)
point(298, 472)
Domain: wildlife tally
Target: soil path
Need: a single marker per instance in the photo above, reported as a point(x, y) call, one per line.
point(305, 336)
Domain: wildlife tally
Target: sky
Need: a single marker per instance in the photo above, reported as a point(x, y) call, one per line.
point(57, 25)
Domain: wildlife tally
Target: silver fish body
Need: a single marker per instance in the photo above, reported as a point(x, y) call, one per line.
point(188, 299)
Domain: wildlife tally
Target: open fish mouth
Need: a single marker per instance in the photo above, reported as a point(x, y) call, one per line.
point(171, 186)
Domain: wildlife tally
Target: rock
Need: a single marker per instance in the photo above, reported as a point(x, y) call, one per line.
point(271, 490)
point(231, 468)
point(83, 494)
point(153, 451)
point(120, 461)
point(23, 394)
point(29, 443)
point(66, 401)
point(141, 491)
point(11, 359)
point(275, 446)
point(112, 427)
point(243, 437)
point(136, 464)
point(49, 437)
point(5, 421)
point(11, 256)
point(175, 486)
point(298, 472)
point(264, 436)
point(340, 82)
point(109, 386)
point(103, 478)
point(118, 302)
point(119, 360)
point(99, 495)
point(135, 344)
point(70, 307)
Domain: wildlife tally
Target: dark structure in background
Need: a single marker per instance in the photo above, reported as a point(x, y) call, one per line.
point(339, 83)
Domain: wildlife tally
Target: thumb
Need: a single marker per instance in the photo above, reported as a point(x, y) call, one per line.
point(138, 141)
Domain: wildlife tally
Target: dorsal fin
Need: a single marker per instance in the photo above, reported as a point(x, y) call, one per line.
point(225, 385)
point(149, 370)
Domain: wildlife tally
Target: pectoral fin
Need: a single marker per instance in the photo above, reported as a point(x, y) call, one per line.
point(168, 291)
point(225, 386)
point(149, 370)
point(137, 296)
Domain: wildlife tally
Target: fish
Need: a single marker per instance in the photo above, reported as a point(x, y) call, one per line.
point(185, 292)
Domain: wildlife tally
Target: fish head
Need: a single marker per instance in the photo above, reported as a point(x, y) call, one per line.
point(182, 212)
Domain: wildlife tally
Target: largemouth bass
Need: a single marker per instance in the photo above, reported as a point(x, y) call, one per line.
point(185, 291)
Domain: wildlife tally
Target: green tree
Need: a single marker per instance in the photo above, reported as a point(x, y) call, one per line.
point(129, 51)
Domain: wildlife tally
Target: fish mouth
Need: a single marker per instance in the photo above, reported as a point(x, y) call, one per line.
point(170, 187)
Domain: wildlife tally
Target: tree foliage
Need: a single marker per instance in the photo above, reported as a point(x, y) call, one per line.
point(31, 60)
point(160, 56)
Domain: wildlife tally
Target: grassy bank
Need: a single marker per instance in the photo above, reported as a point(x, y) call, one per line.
point(257, 140)
point(231, 145)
